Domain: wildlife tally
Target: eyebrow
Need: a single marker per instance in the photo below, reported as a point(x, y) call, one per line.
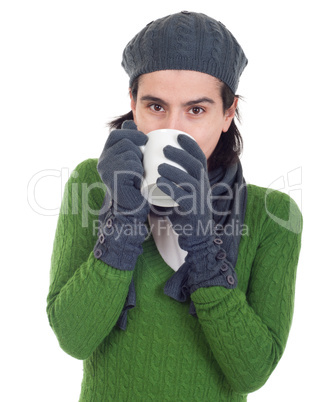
point(200, 100)
point(150, 98)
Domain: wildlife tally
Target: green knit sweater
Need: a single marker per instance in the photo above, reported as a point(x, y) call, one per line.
point(166, 354)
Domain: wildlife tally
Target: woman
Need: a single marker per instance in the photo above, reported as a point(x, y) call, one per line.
point(216, 328)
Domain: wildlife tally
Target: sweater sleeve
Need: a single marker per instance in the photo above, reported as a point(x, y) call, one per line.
point(86, 296)
point(247, 332)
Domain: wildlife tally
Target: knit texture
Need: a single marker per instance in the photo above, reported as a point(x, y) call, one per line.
point(166, 354)
point(186, 41)
point(124, 211)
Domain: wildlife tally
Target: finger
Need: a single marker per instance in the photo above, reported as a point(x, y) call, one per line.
point(191, 146)
point(192, 165)
point(176, 175)
point(169, 188)
point(122, 146)
point(184, 199)
point(136, 137)
point(137, 174)
point(109, 163)
point(129, 174)
point(180, 179)
point(129, 124)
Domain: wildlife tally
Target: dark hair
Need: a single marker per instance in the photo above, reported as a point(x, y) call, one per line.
point(230, 143)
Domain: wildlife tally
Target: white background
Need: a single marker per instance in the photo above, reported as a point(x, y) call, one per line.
point(61, 82)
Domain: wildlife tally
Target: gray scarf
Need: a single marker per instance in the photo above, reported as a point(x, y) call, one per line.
point(229, 200)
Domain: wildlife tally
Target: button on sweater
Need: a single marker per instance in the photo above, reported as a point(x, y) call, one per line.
point(165, 354)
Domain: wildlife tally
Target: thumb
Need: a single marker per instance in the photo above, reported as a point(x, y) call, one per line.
point(129, 124)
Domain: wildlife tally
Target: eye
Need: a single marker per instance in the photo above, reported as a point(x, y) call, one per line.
point(156, 108)
point(196, 110)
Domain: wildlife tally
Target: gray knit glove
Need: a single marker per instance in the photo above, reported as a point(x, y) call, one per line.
point(122, 225)
point(205, 264)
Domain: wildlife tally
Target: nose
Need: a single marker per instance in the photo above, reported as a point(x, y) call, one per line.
point(174, 121)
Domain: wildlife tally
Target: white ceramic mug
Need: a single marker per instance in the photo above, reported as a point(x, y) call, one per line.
point(153, 156)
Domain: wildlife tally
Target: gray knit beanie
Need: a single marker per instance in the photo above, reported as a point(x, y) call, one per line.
point(186, 41)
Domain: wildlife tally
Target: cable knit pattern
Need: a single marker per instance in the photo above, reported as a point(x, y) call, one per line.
point(166, 354)
point(183, 31)
point(186, 41)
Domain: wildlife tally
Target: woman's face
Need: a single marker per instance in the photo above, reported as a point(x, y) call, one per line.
point(184, 100)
